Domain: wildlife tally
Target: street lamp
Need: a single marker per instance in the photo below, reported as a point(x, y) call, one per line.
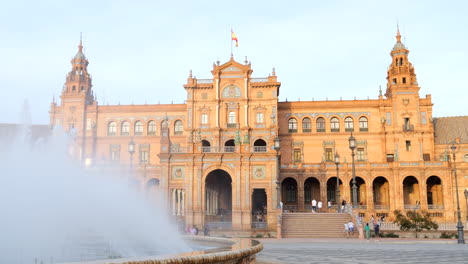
point(466, 201)
point(352, 146)
point(279, 210)
point(337, 195)
point(461, 239)
point(131, 150)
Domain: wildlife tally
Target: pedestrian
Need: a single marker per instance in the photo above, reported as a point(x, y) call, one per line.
point(346, 230)
point(367, 228)
point(206, 230)
point(319, 206)
point(343, 204)
point(329, 204)
point(314, 206)
point(351, 226)
point(372, 221)
point(377, 229)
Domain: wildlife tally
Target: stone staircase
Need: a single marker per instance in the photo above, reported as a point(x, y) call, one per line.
point(319, 225)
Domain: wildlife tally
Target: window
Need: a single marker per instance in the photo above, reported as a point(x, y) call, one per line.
point(73, 88)
point(390, 158)
point(427, 157)
point(320, 124)
point(112, 129)
point(389, 118)
point(291, 193)
point(335, 124)
point(423, 118)
point(306, 125)
point(260, 145)
point(260, 118)
point(328, 155)
point(230, 145)
point(144, 156)
point(394, 81)
point(292, 124)
point(363, 124)
point(151, 128)
point(125, 129)
point(408, 145)
point(232, 119)
point(404, 80)
point(297, 155)
point(204, 119)
point(178, 127)
point(206, 146)
point(138, 128)
point(360, 154)
point(349, 124)
point(407, 126)
point(114, 152)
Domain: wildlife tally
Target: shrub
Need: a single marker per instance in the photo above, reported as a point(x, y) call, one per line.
point(389, 234)
point(258, 235)
point(448, 235)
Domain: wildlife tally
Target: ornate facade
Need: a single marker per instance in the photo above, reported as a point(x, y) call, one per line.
point(215, 160)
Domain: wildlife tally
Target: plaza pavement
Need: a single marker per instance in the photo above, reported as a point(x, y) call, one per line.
point(355, 251)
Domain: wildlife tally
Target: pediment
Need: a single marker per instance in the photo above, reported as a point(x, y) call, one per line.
point(231, 69)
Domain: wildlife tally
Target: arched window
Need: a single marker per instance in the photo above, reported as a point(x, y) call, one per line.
point(112, 129)
point(151, 128)
point(292, 124)
point(401, 61)
point(232, 119)
point(320, 124)
point(178, 127)
point(138, 128)
point(363, 124)
point(229, 145)
point(335, 124)
point(73, 88)
point(306, 125)
point(206, 146)
point(125, 129)
point(260, 145)
point(349, 124)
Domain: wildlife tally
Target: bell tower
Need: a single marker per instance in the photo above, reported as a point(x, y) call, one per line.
point(401, 78)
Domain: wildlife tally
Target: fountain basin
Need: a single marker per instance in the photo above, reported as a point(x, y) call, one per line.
point(225, 250)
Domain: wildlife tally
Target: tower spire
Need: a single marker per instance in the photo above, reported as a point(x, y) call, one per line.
point(398, 36)
point(80, 47)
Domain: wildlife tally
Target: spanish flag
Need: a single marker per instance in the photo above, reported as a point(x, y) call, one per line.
point(234, 37)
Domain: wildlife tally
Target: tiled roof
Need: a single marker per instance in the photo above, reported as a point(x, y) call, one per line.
point(447, 129)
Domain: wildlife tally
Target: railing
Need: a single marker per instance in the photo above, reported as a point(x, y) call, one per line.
point(435, 207)
point(219, 225)
point(306, 130)
point(320, 129)
point(229, 148)
point(260, 148)
point(349, 129)
point(444, 226)
point(259, 225)
point(292, 130)
point(381, 206)
point(361, 206)
point(289, 208)
point(412, 206)
point(335, 130)
point(222, 149)
point(231, 125)
point(177, 149)
point(363, 129)
point(408, 128)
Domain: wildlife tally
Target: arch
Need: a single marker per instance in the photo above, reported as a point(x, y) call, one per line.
point(349, 124)
point(229, 145)
point(381, 193)
point(138, 128)
point(112, 128)
point(306, 125)
point(331, 190)
point(292, 125)
point(151, 131)
point(178, 127)
point(289, 194)
point(218, 196)
point(434, 191)
point(260, 145)
point(335, 124)
point(231, 91)
point(401, 61)
point(411, 193)
point(206, 146)
point(361, 191)
point(125, 128)
point(363, 124)
point(320, 124)
point(311, 190)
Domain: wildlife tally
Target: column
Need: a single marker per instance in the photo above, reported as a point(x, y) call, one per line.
point(173, 202)
point(183, 202)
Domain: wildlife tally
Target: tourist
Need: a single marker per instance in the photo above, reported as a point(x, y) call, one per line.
point(377, 229)
point(329, 204)
point(314, 206)
point(346, 230)
point(351, 226)
point(343, 204)
point(319, 206)
point(367, 228)
point(372, 221)
point(206, 230)
point(194, 230)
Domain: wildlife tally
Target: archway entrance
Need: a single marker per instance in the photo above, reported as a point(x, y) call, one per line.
point(331, 191)
point(435, 197)
point(381, 191)
point(218, 197)
point(411, 193)
point(289, 195)
point(259, 208)
point(360, 191)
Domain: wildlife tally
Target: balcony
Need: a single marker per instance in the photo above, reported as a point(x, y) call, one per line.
point(435, 207)
point(292, 130)
point(259, 149)
point(412, 206)
point(408, 128)
point(381, 206)
point(232, 125)
point(306, 130)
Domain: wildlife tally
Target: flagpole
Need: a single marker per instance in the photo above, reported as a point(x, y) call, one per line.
point(231, 43)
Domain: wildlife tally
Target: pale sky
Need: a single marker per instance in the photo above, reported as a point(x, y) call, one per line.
point(142, 51)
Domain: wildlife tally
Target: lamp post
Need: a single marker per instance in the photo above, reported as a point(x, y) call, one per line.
point(461, 239)
point(337, 195)
point(352, 146)
point(131, 150)
point(279, 210)
point(466, 201)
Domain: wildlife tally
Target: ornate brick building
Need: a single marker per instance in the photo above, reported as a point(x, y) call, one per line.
point(215, 157)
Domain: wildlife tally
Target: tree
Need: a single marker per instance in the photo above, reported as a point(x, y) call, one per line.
point(414, 220)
